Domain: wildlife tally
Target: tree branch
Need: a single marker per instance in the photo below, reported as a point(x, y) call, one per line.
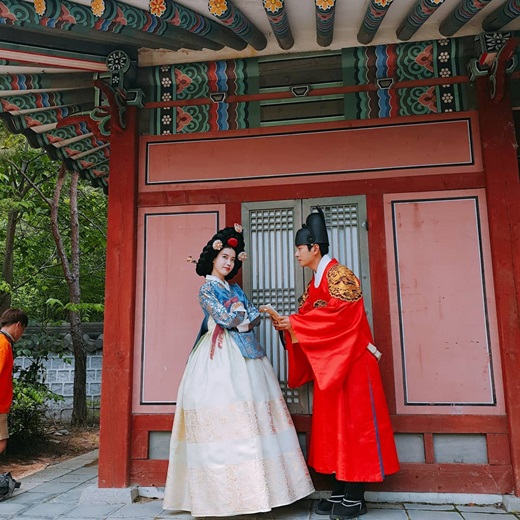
point(55, 229)
point(35, 186)
point(74, 228)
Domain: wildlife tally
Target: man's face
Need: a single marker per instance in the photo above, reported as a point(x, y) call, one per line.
point(305, 256)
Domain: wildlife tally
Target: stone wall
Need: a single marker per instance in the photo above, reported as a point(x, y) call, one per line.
point(59, 375)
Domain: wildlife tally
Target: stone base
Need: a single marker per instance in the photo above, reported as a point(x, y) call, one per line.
point(108, 496)
point(151, 492)
point(511, 503)
point(434, 498)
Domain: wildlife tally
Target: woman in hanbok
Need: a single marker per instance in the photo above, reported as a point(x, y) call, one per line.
point(234, 449)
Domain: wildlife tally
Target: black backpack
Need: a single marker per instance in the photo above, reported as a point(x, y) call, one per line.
point(7, 486)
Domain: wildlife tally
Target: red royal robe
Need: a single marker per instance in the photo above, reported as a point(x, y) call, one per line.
point(351, 431)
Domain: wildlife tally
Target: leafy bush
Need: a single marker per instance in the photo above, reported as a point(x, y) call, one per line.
point(27, 415)
point(30, 394)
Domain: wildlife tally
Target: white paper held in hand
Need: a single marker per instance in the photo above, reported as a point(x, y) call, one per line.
point(270, 310)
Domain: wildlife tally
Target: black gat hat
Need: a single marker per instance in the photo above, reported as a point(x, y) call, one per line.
point(314, 231)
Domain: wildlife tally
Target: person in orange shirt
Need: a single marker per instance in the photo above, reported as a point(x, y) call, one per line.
point(13, 323)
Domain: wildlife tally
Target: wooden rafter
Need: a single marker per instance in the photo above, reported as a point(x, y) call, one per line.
point(277, 16)
point(20, 54)
point(62, 41)
point(229, 15)
point(374, 15)
point(464, 11)
point(417, 16)
point(502, 16)
point(183, 17)
point(117, 23)
point(325, 13)
point(66, 116)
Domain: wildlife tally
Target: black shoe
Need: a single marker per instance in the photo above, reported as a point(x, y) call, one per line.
point(324, 506)
point(348, 509)
point(17, 484)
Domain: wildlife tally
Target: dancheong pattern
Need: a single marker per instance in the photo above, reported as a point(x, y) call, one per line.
point(199, 80)
point(361, 66)
point(404, 62)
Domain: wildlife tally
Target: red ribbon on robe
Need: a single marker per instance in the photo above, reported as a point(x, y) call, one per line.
point(218, 334)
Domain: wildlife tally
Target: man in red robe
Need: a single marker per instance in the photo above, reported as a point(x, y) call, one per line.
point(329, 342)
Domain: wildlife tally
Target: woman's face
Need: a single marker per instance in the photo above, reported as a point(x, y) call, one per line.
point(224, 262)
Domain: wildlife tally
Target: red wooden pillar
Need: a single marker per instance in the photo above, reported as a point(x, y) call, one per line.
point(118, 333)
point(503, 201)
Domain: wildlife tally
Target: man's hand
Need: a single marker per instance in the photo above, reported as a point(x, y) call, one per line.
point(282, 323)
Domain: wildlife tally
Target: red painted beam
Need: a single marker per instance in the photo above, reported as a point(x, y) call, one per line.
point(380, 300)
point(328, 91)
point(454, 181)
point(449, 478)
point(118, 340)
point(503, 196)
point(450, 423)
point(419, 478)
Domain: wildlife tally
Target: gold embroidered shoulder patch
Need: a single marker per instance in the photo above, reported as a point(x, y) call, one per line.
point(303, 298)
point(343, 284)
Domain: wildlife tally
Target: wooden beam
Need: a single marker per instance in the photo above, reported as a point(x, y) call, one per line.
point(229, 15)
point(277, 16)
point(497, 132)
point(464, 11)
point(498, 80)
point(418, 14)
point(325, 12)
point(149, 24)
point(428, 423)
point(325, 91)
point(117, 23)
point(81, 27)
point(374, 15)
point(116, 392)
point(23, 83)
point(506, 13)
point(448, 478)
point(53, 41)
point(180, 16)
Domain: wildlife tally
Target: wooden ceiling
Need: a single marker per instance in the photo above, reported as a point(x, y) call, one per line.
point(164, 31)
point(52, 50)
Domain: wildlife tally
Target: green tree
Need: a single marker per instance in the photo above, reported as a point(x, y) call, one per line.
point(17, 202)
point(42, 246)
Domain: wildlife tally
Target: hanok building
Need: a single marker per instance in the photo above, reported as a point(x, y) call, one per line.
point(398, 118)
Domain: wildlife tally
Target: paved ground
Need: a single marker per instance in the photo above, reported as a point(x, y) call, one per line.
point(56, 493)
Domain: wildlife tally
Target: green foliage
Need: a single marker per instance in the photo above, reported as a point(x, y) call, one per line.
point(84, 309)
point(38, 274)
point(30, 394)
point(93, 409)
point(28, 412)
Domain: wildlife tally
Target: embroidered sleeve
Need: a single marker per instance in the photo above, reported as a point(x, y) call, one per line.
point(252, 312)
point(343, 284)
point(211, 304)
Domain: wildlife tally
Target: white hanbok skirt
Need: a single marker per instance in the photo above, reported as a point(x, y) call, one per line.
point(234, 449)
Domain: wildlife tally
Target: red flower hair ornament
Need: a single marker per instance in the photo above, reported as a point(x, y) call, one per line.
point(228, 237)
